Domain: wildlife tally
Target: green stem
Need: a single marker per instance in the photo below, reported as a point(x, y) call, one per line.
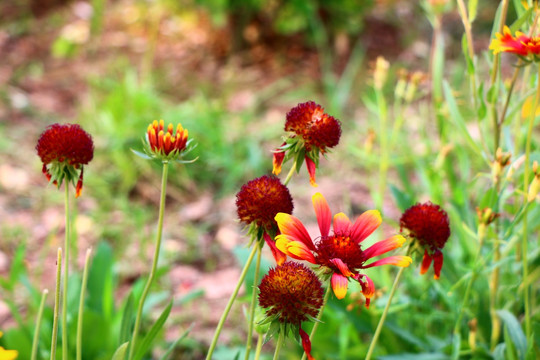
point(290, 174)
point(56, 303)
point(383, 165)
point(81, 305)
point(259, 347)
point(66, 276)
point(281, 339)
point(383, 316)
point(319, 316)
point(38, 324)
point(229, 304)
point(154, 262)
point(253, 301)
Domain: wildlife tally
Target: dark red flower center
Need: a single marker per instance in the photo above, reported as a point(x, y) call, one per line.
point(339, 246)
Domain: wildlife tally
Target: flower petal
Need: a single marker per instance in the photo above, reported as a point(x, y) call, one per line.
point(426, 262)
point(279, 256)
point(342, 267)
point(279, 156)
point(368, 288)
point(324, 215)
point(342, 224)
point(365, 225)
point(339, 285)
point(295, 249)
point(78, 188)
point(293, 228)
point(306, 343)
point(382, 247)
point(437, 264)
point(398, 260)
point(311, 168)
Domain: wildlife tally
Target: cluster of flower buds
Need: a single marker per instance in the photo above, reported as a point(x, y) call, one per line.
point(502, 160)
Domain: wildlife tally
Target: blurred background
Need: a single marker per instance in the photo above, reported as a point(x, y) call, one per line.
point(229, 71)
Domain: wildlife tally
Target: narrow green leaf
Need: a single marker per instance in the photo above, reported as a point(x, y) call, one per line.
point(473, 7)
point(149, 338)
point(515, 332)
point(423, 356)
point(521, 20)
point(127, 319)
point(120, 353)
point(175, 344)
point(141, 155)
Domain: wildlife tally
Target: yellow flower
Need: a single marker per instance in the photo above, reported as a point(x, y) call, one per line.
point(7, 354)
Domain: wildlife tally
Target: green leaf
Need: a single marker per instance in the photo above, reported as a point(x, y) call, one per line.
point(175, 344)
point(402, 199)
point(120, 353)
point(423, 356)
point(149, 338)
point(473, 7)
point(141, 155)
point(521, 20)
point(127, 320)
point(515, 332)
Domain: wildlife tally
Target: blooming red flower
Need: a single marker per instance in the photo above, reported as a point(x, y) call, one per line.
point(339, 254)
point(64, 149)
point(258, 202)
point(519, 44)
point(314, 133)
point(167, 143)
point(292, 294)
point(430, 226)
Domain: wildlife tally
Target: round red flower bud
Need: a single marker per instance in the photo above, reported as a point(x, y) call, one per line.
point(318, 129)
point(292, 293)
point(65, 143)
point(261, 199)
point(427, 223)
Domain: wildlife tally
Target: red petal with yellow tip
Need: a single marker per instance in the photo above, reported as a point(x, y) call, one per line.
point(279, 256)
point(295, 249)
point(78, 188)
point(368, 288)
point(437, 263)
point(342, 224)
point(426, 261)
point(293, 228)
point(398, 260)
point(323, 213)
point(365, 225)
point(342, 267)
point(384, 246)
point(339, 285)
point(311, 167)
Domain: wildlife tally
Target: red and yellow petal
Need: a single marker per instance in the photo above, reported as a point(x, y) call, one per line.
point(342, 224)
point(279, 256)
point(398, 260)
point(323, 213)
point(277, 161)
point(426, 262)
point(382, 247)
point(342, 267)
point(293, 228)
point(306, 344)
point(78, 188)
point(295, 249)
point(311, 167)
point(437, 264)
point(368, 288)
point(365, 225)
point(339, 285)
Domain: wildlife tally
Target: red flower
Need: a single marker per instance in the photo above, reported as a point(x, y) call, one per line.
point(519, 44)
point(292, 294)
point(258, 202)
point(64, 149)
point(339, 254)
point(430, 226)
point(167, 143)
point(314, 133)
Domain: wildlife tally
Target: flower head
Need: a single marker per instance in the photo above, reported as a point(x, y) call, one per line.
point(314, 132)
point(339, 254)
point(166, 143)
point(429, 225)
point(7, 354)
point(291, 294)
point(64, 149)
point(258, 202)
point(519, 44)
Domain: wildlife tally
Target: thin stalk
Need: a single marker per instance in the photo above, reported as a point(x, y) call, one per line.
point(154, 262)
point(470, 47)
point(290, 174)
point(493, 287)
point(383, 316)
point(526, 175)
point(259, 347)
point(253, 301)
point(81, 305)
point(319, 316)
point(66, 275)
point(383, 134)
point(38, 324)
point(229, 304)
point(281, 339)
point(56, 303)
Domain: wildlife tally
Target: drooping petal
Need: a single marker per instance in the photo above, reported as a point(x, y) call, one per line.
point(342, 267)
point(426, 262)
point(46, 172)
point(277, 161)
point(295, 249)
point(365, 225)
point(311, 167)
point(398, 260)
point(293, 228)
point(279, 256)
point(368, 288)
point(437, 263)
point(342, 224)
point(323, 213)
point(78, 188)
point(382, 247)
point(339, 285)
point(306, 344)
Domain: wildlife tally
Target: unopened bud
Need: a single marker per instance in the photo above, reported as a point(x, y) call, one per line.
point(370, 139)
point(501, 161)
point(534, 188)
point(381, 72)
